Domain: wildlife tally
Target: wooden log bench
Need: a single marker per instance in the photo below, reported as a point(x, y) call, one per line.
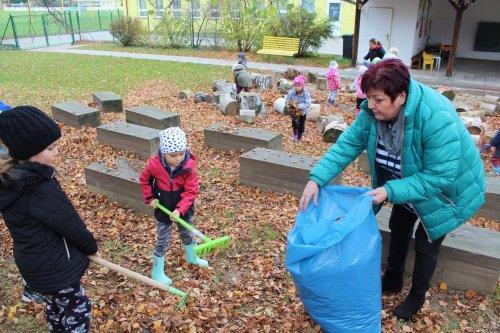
point(108, 101)
point(151, 117)
point(76, 114)
point(121, 135)
point(276, 171)
point(222, 136)
point(119, 183)
point(469, 257)
point(279, 46)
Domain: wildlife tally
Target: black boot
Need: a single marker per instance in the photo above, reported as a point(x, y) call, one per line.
point(411, 305)
point(392, 282)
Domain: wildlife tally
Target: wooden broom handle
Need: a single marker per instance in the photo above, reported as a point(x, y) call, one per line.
point(136, 276)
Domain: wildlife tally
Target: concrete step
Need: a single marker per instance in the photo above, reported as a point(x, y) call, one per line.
point(226, 137)
point(76, 114)
point(121, 135)
point(119, 183)
point(108, 101)
point(276, 171)
point(151, 117)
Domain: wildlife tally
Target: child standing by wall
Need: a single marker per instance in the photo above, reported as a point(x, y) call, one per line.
point(302, 99)
point(51, 242)
point(333, 79)
point(170, 179)
point(360, 95)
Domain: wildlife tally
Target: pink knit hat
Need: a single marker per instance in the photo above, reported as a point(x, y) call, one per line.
point(299, 81)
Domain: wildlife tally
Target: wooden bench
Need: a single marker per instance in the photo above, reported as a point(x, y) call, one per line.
point(469, 257)
point(280, 46)
point(276, 171)
point(119, 183)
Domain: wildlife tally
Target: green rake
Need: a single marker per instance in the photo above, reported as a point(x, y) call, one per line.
point(208, 244)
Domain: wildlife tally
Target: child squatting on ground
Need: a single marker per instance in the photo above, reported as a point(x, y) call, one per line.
point(51, 242)
point(170, 179)
point(333, 80)
point(298, 101)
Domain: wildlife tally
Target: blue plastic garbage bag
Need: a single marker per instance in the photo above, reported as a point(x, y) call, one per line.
point(334, 256)
point(3, 107)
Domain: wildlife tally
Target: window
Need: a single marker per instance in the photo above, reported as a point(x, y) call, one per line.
point(176, 8)
point(308, 5)
point(143, 10)
point(195, 9)
point(160, 11)
point(334, 12)
point(214, 10)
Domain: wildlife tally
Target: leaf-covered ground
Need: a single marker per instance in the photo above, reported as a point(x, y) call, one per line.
point(247, 288)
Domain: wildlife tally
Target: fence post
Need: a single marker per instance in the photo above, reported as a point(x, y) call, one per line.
point(71, 26)
point(44, 24)
point(99, 18)
point(78, 22)
point(14, 31)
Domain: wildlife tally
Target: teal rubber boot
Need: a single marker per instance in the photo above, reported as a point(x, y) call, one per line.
point(158, 273)
point(191, 256)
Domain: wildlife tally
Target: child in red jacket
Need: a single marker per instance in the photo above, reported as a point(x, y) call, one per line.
point(170, 179)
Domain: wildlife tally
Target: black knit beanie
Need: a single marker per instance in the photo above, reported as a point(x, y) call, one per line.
point(27, 131)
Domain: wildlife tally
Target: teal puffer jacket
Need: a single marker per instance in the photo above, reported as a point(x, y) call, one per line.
point(443, 175)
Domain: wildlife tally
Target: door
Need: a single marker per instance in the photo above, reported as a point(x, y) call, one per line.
point(380, 25)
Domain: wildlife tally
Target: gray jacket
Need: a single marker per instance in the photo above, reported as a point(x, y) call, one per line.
point(241, 76)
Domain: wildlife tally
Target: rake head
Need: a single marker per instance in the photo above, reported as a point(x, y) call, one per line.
point(212, 245)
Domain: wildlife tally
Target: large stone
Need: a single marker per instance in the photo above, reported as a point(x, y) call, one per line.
point(469, 257)
point(491, 99)
point(279, 105)
point(76, 114)
point(108, 101)
point(489, 109)
point(151, 117)
point(218, 84)
point(276, 76)
point(201, 97)
point(247, 116)
point(363, 163)
point(135, 138)
point(276, 171)
point(225, 137)
point(314, 112)
point(119, 183)
point(252, 101)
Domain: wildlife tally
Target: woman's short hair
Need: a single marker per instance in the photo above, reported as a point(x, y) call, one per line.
point(390, 75)
point(373, 41)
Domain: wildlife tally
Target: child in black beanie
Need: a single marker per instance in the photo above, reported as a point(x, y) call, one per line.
point(51, 242)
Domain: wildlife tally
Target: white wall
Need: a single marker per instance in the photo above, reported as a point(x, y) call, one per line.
point(402, 34)
point(443, 19)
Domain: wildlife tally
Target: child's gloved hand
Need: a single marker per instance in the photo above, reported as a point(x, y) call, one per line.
point(153, 203)
point(176, 213)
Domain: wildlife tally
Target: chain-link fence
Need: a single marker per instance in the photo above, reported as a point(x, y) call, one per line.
point(55, 28)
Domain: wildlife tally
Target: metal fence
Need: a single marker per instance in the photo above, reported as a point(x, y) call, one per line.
point(56, 28)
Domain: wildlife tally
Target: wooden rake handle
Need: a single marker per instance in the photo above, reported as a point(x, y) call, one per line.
point(136, 276)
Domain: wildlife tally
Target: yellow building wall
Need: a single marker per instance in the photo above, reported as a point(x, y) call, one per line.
point(347, 12)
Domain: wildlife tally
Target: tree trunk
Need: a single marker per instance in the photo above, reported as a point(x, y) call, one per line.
point(454, 42)
point(229, 106)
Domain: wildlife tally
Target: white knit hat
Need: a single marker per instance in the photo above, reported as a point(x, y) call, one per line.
point(172, 139)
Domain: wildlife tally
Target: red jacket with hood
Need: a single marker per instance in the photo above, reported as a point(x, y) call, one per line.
point(175, 189)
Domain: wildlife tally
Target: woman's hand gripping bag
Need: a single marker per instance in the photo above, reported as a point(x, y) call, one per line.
point(334, 256)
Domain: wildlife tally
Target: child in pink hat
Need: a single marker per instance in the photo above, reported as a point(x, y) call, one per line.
point(301, 98)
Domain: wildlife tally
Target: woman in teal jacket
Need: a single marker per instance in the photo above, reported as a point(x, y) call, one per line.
point(422, 160)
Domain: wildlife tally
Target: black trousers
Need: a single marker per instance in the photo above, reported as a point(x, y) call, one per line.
point(298, 125)
point(401, 224)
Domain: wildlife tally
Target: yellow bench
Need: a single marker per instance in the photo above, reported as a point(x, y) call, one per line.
point(279, 46)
